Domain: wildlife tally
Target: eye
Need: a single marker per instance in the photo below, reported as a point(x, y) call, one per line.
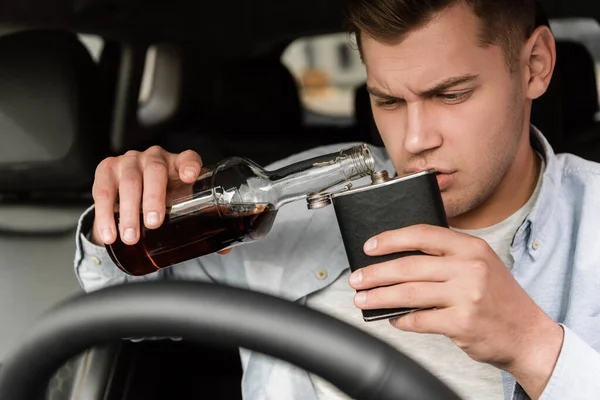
point(454, 98)
point(387, 104)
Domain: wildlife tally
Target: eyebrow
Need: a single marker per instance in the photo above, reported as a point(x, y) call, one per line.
point(445, 84)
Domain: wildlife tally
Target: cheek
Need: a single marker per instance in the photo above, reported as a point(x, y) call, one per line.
point(390, 125)
point(474, 127)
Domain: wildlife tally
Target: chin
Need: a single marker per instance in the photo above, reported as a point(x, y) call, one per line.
point(455, 205)
point(452, 212)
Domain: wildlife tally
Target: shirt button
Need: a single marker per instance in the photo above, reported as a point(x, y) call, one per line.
point(535, 245)
point(96, 260)
point(321, 274)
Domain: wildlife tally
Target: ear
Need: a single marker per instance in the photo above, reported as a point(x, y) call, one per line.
point(539, 58)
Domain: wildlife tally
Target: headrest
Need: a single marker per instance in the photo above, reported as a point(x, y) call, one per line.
point(541, 17)
point(579, 90)
point(257, 96)
point(54, 117)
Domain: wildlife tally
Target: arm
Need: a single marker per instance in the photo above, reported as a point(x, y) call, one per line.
point(468, 295)
point(95, 270)
point(576, 374)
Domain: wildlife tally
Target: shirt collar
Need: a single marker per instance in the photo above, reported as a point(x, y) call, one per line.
point(543, 208)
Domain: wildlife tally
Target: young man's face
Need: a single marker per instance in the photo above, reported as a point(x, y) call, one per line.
point(441, 100)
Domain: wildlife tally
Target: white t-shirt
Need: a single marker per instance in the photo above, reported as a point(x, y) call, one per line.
point(437, 353)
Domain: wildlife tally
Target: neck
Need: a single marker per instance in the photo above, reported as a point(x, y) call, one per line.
point(515, 189)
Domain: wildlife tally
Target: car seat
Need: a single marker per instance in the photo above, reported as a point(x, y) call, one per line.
point(53, 120)
point(579, 100)
point(243, 107)
point(257, 110)
point(53, 132)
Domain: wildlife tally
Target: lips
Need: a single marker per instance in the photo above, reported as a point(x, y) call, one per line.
point(444, 180)
point(443, 176)
point(438, 171)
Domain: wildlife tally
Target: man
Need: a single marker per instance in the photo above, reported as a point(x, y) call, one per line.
point(513, 284)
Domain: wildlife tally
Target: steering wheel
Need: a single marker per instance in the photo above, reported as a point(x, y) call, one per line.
point(360, 365)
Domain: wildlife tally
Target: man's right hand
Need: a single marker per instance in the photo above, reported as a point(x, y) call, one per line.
point(139, 179)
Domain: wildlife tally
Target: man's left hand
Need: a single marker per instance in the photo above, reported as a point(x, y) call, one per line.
point(468, 294)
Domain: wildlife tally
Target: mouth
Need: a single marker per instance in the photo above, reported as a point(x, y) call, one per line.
point(437, 171)
point(444, 177)
point(444, 180)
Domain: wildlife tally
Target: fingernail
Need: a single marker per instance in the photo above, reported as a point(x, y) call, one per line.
point(356, 278)
point(189, 172)
point(106, 235)
point(129, 234)
point(360, 298)
point(371, 244)
point(393, 321)
point(152, 218)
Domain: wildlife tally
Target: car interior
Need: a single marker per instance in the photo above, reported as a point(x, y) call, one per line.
point(219, 87)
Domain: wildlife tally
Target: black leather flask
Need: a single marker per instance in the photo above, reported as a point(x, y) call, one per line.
point(385, 204)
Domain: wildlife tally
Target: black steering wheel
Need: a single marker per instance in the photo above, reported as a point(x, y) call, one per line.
point(358, 364)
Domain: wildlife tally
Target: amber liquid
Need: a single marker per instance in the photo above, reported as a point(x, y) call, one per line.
point(184, 237)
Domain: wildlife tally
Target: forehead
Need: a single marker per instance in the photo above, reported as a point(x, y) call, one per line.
point(447, 46)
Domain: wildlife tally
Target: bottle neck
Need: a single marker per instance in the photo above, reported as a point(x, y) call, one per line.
point(295, 182)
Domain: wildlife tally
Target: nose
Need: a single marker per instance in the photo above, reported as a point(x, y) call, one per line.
point(421, 134)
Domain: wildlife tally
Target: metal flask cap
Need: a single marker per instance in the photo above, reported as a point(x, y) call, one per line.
point(322, 199)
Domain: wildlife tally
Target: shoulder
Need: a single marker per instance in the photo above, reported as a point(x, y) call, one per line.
point(578, 193)
point(296, 220)
point(578, 172)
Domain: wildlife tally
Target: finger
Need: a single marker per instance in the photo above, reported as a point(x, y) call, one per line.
point(130, 195)
point(429, 239)
point(434, 321)
point(188, 165)
point(104, 193)
point(156, 177)
point(404, 269)
point(405, 295)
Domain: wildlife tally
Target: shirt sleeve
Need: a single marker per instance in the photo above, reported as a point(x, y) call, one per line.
point(94, 268)
point(577, 371)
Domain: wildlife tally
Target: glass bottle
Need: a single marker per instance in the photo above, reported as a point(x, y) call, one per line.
point(233, 202)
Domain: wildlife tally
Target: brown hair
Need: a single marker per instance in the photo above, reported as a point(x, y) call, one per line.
point(507, 23)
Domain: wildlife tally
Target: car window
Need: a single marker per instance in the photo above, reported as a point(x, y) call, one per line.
point(94, 44)
point(328, 69)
